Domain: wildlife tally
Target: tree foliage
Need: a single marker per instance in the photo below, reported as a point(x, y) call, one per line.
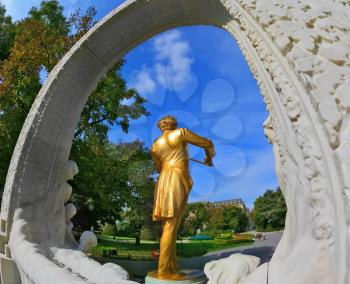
point(270, 211)
point(114, 178)
point(213, 218)
point(195, 217)
point(227, 217)
point(106, 107)
point(104, 184)
point(7, 33)
point(35, 46)
point(138, 212)
point(51, 15)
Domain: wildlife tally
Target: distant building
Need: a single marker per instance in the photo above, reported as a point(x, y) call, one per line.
point(236, 202)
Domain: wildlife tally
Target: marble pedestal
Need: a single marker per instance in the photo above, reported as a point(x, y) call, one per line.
point(185, 276)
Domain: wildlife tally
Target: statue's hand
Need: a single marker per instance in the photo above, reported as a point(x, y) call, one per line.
point(208, 161)
point(210, 151)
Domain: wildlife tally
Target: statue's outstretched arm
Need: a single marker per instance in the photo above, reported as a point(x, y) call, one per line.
point(194, 139)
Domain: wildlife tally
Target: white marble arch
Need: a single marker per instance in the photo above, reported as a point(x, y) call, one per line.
point(298, 52)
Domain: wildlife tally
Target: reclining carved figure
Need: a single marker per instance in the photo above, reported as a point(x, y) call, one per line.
point(44, 249)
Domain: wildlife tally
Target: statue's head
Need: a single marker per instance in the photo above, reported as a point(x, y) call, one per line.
point(167, 123)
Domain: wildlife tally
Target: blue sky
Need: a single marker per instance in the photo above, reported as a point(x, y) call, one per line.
point(212, 93)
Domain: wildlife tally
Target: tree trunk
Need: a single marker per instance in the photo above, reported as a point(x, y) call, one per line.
point(138, 239)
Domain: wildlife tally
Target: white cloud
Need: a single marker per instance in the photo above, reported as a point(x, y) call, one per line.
point(143, 82)
point(164, 75)
point(173, 60)
point(170, 70)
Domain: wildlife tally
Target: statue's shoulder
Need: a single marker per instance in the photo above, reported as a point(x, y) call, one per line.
point(178, 132)
point(156, 140)
point(183, 130)
point(172, 137)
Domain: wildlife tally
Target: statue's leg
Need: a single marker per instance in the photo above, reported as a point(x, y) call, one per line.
point(167, 259)
point(175, 262)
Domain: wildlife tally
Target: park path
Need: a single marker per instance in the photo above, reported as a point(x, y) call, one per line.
point(262, 249)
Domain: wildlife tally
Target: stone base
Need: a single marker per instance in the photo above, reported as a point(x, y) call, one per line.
point(185, 276)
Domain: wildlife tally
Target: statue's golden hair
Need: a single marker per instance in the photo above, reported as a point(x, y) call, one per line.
point(170, 121)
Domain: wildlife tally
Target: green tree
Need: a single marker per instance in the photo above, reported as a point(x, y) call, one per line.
point(137, 213)
point(235, 219)
point(7, 33)
point(195, 217)
point(216, 221)
point(227, 218)
point(51, 15)
point(270, 211)
point(111, 179)
point(214, 218)
point(41, 40)
point(35, 46)
point(104, 168)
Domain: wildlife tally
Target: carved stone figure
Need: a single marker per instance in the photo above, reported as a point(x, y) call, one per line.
point(87, 241)
point(232, 269)
point(56, 256)
point(299, 54)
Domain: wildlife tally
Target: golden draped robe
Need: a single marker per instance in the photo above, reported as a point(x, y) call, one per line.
point(171, 158)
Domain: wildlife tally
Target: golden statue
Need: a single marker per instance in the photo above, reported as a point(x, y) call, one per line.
point(171, 158)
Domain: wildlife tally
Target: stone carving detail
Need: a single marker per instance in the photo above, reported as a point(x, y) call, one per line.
point(316, 45)
point(298, 118)
point(232, 269)
point(70, 211)
point(299, 53)
point(313, 46)
point(87, 241)
point(48, 250)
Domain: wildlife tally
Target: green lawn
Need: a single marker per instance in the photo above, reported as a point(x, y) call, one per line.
point(125, 248)
point(121, 239)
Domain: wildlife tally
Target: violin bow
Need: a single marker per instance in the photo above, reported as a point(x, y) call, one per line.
point(210, 164)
